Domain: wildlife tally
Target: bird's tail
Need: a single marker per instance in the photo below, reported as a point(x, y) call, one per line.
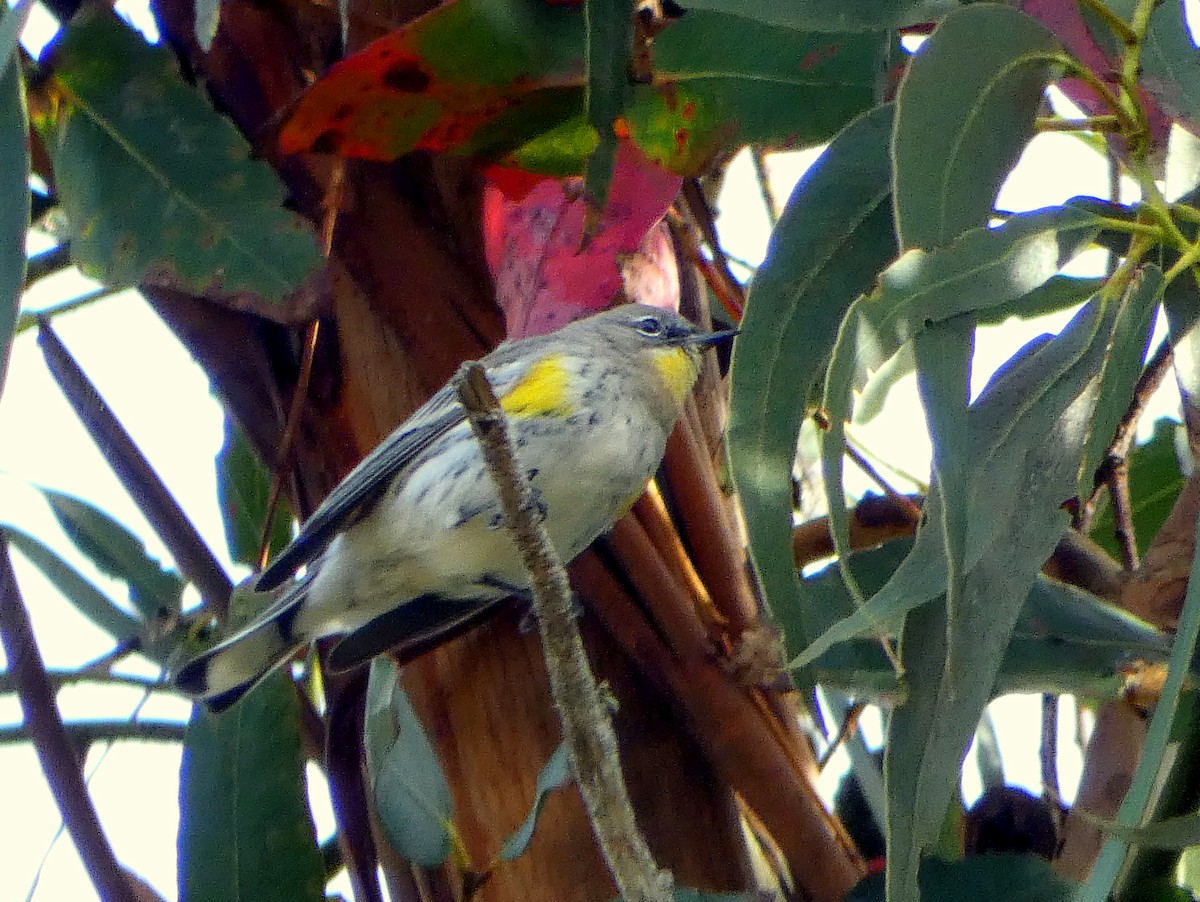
point(227, 671)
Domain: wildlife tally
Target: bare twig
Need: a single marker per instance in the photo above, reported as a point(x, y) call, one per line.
point(288, 440)
point(1152, 376)
point(52, 743)
point(770, 202)
point(1116, 476)
point(587, 727)
point(717, 272)
point(1048, 755)
point(875, 476)
point(196, 561)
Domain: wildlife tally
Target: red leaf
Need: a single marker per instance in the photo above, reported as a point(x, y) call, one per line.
point(544, 278)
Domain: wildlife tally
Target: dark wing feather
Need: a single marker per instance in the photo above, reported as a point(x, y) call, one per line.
point(364, 484)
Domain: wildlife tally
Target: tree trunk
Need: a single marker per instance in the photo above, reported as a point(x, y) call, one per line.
point(407, 299)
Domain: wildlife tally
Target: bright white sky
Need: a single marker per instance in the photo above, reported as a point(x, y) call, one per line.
point(164, 401)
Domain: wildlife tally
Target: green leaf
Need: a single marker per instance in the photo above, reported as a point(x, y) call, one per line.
point(982, 878)
point(722, 81)
point(14, 190)
point(1065, 640)
point(412, 797)
point(984, 268)
point(154, 590)
point(1176, 701)
point(1155, 481)
point(11, 23)
point(245, 831)
point(153, 180)
point(1058, 294)
point(554, 775)
point(87, 599)
point(834, 235)
point(1028, 429)
point(208, 20)
point(608, 43)
point(1122, 367)
point(833, 15)
point(1170, 68)
point(244, 488)
point(964, 113)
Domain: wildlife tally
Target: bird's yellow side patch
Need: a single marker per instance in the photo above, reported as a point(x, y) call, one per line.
point(677, 370)
point(542, 392)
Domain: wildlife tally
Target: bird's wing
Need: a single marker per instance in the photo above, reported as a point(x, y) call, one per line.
point(365, 483)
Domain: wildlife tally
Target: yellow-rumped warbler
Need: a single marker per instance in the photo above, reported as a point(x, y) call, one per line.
point(412, 543)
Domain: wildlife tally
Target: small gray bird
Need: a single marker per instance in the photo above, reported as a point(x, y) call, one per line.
point(412, 544)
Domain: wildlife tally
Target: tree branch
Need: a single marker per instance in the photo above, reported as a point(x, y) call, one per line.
point(54, 748)
point(195, 559)
point(587, 728)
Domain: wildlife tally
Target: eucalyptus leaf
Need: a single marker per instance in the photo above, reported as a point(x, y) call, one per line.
point(153, 180)
point(153, 589)
point(14, 187)
point(245, 830)
point(833, 15)
point(244, 488)
point(87, 599)
point(964, 113)
point(834, 236)
point(1175, 706)
point(411, 795)
point(608, 44)
point(555, 774)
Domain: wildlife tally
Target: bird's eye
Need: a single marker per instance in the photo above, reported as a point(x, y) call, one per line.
point(649, 325)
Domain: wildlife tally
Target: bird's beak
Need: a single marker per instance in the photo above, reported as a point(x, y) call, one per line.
point(715, 338)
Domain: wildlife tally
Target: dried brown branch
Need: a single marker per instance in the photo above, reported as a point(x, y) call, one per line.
point(55, 750)
point(587, 726)
point(194, 558)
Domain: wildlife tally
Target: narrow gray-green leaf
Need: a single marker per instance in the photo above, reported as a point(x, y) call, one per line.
point(833, 15)
point(964, 113)
point(1122, 367)
point(14, 192)
point(409, 788)
point(154, 590)
point(1058, 294)
point(87, 599)
point(608, 44)
point(208, 20)
point(1033, 450)
point(922, 575)
point(154, 181)
point(1155, 760)
point(554, 775)
point(244, 488)
point(11, 23)
point(1171, 64)
point(983, 269)
point(245, 830)
point(981, 878)
point(1065, 640)
point(834, 236)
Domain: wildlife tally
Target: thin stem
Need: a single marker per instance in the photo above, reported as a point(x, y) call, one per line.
point(1116, 24)
point(1102, 123)
point(1048, 753)
point(195, 559)
point(770, 202)
point(287, 441)
point(587, 725)
point(54, 748)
